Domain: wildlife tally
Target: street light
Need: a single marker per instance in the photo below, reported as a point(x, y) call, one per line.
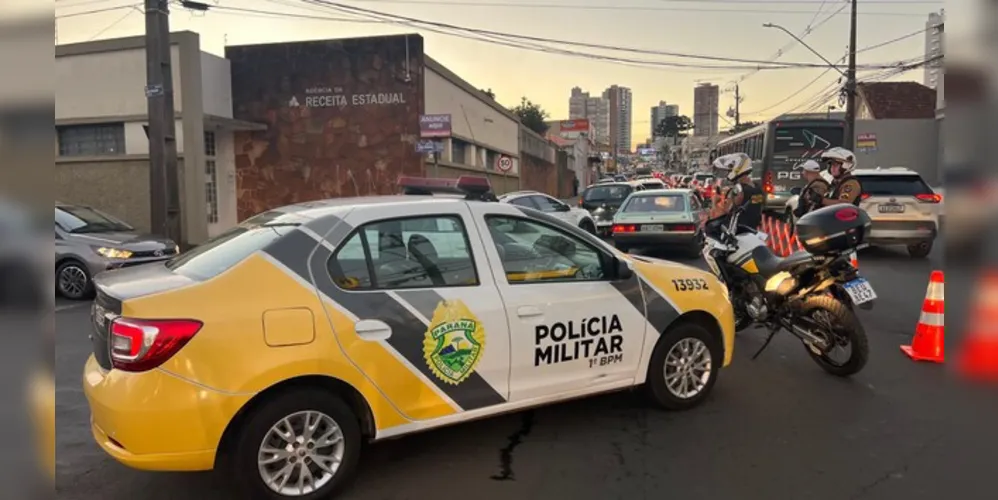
point(808, 47)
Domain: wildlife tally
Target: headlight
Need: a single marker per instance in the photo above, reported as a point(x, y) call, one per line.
point(113, 253)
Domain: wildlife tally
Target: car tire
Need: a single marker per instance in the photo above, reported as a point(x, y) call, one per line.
point(243, 463)
point(73, 280)
point(920, 250)
point(588, 226)
point(663, 376)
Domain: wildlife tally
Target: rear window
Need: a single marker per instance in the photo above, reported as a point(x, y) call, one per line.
point(668, 203)
point(607, 193)
point(653, 185)
point(229, 248)
point(894, 185)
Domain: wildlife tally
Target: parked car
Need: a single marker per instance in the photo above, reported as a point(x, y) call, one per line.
point(664, 218)
point(578, 217)
point(88, 242)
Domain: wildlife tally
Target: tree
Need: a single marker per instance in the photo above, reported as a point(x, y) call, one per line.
point(674, 126)
point(489, 92)
point(743, 126)
point(531, 115)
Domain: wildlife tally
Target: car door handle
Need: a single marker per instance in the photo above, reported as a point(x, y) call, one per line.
point(529, 311)
point(372, 330)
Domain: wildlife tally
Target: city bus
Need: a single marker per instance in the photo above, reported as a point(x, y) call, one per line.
point(779, 147)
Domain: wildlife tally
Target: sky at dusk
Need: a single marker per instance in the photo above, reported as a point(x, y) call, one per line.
point(724, 28)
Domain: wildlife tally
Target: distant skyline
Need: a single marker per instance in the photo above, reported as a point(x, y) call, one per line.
point(715, 28)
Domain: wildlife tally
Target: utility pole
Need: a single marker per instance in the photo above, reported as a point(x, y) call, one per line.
point(164, 209)
point(850, 137)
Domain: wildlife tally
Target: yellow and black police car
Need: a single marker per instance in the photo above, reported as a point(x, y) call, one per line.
point(274, 350)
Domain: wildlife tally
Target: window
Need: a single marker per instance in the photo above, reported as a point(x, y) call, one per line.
point(532, 253)
point(229, 248)
point(547, 204)
point(607, 194)
point(211, 190)
point(92, 140)
point(79, 220)
point(663, 204)
point(405, 253)
point(694, 203)
point(209, 143)
point(458, 151)
point(894, 185)
point(491, 158)
point(524, 201)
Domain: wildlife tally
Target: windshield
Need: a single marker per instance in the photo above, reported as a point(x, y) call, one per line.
point(75, 219)
point(229, 248)
point(602, 194)
point(653, 185)
point(668, 203)
point(894, 185)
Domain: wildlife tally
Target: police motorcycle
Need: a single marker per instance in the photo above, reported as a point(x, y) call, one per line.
point(812, 293)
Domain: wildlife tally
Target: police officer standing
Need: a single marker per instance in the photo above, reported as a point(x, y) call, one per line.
point(811, 197)
point(744, 194)
point(845, 188)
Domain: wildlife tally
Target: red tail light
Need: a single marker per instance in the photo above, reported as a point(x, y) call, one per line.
point(683, 228)
point(138, 345)
point(929, 198)
point(580, 202)
point(847, 214)
point(767, 183)
point(624, 228)
point(864, 196)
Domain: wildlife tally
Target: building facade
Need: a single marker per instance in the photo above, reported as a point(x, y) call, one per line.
point(621, 105)
point(661, 112)
point(934, 48)
point(593, 108)
point(102, 150)
point(706, 103)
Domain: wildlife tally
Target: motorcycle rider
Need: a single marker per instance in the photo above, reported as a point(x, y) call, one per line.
point(845, 187)
point(744, 194)
point(814, 191)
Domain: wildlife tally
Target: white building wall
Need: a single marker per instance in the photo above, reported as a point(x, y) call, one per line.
point(216, 85)
point(472, 120)
point(110, 84)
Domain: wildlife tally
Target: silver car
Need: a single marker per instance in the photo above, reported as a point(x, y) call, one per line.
point(660, 219)
point(88, 242)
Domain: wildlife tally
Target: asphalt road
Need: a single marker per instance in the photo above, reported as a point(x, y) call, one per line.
point(776, 427)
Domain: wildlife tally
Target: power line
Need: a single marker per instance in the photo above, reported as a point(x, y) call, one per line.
point(113, 24)
point(641, 8)
point(96, 11)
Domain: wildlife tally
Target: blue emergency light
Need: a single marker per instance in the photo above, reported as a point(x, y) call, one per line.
point(473, 187)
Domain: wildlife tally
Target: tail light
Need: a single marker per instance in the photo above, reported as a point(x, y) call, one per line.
point(580, 202)
point(624, 228)
point(683, 227)
point(139, 345)
point(929, 198)
point(864, 196)
point(847, 214)
point(767, 183)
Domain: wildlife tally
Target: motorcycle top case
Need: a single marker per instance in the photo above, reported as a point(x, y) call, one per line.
point(837, 228)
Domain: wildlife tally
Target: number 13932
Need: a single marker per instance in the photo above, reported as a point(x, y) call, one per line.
point(690, 284)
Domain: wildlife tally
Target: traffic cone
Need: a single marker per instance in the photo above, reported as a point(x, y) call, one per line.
point(928, 342)
point(979, 358)
point(787, 240)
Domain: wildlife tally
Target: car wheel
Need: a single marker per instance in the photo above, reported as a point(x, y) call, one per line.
point(920, 250)
point(683, 367)
point(588, 226)
point(302, 444)
point(72, 280)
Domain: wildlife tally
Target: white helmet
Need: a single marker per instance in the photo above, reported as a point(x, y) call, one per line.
point(840, 155)
point(811, 166)
point(737, 165)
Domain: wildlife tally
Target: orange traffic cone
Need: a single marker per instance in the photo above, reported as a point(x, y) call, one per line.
point(928, 342)
point(788, 241)
point(980, 354)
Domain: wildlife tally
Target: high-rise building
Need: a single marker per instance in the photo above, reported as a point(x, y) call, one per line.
point(595, 109)
point(706, 101)
point(934, 33)
point(661, 112)
point(620, 117)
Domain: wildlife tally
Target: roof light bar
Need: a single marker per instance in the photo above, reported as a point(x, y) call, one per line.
point(471, 186)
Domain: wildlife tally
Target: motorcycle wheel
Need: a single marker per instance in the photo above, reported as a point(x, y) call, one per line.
point(830, 316)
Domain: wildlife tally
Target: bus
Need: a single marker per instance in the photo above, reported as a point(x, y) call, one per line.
point(779, 147)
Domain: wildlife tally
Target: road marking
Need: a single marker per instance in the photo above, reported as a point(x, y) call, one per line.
point(66, 307)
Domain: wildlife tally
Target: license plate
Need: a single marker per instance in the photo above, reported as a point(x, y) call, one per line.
point(860, 291)
point(653, 227)
point(891, 208)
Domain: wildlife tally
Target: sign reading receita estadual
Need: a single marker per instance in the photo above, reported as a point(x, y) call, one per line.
point(434, 126)
point(335, 97)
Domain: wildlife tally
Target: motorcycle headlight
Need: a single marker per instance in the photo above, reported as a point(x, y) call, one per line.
point(113, 253)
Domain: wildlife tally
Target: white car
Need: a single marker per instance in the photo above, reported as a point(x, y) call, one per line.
point(552, 206)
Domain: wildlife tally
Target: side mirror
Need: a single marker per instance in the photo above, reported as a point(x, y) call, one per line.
point(796, 191)
point(623, 269)
point(563, 208)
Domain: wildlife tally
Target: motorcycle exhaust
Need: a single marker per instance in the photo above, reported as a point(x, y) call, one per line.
point(806, 336)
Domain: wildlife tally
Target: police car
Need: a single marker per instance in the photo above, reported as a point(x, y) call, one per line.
point(276, 349)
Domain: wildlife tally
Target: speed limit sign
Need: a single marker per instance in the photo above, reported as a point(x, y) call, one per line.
point(504, 164)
